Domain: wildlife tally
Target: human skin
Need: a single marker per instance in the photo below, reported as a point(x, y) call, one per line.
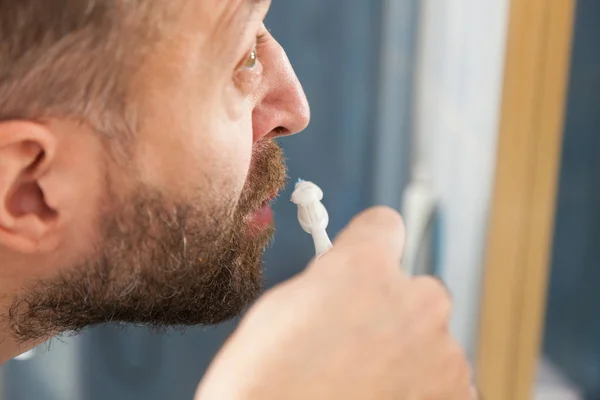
point(167, 228)
point(164, 234)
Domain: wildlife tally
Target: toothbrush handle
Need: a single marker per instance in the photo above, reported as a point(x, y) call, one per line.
point(321, 241)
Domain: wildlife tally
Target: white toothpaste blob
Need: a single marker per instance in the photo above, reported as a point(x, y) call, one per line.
point(312, 214)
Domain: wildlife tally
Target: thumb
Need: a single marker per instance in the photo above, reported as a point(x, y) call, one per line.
point(377, 232)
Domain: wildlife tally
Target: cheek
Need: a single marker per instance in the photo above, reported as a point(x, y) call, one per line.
point(234, 104)
point(227, 155)
point(204, 154)
point(223, 147)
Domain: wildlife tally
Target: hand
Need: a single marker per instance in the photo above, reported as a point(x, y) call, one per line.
point(351, 326)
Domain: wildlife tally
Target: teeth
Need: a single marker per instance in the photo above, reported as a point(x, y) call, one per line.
point(312, 214)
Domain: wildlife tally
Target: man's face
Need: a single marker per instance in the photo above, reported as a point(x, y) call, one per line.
point(170, 228)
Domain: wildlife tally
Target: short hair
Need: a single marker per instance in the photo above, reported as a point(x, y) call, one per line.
point(71, 58)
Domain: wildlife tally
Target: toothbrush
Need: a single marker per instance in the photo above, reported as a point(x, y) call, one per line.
point(312, 215)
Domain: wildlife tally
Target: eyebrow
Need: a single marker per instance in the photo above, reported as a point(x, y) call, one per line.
point(253, 6)
point(256, 3)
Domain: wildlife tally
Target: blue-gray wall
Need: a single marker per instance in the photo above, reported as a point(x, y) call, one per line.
point(572, 336)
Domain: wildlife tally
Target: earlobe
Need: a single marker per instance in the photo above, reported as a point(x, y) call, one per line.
point(26, 220)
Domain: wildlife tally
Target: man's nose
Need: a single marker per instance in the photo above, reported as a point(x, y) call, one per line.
point(283, 109)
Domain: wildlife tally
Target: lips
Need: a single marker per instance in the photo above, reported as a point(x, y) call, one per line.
point(266, 178)
point(268, 202)
point(261, 217)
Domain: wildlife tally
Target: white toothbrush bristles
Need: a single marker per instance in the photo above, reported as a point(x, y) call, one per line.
point(312, 215)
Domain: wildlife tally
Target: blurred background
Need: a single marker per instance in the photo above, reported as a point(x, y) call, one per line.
point(572, 333)
point(406, 99)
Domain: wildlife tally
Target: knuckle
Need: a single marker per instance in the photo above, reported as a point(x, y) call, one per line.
point(432, 290)
point(432, 300)
point(373, 260)
point(457, 358)
point(457, 368)
point(370, 254)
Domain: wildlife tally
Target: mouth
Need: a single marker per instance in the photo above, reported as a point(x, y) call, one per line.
point(262, 216)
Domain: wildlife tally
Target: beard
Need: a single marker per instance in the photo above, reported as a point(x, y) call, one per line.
point(160, 262)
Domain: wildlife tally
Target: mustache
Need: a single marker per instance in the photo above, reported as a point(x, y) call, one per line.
point(267, 175)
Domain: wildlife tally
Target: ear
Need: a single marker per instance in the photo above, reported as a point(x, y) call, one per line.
point(27, 150)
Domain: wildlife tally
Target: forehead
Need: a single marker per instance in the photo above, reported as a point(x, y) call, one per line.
point(218, 23)
point(221, 14)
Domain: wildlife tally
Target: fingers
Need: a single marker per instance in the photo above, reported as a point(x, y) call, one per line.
point(379, 230)
point(430, 299)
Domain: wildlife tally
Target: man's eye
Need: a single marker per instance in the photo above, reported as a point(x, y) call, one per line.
point(248, 73)
point(251, 60)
